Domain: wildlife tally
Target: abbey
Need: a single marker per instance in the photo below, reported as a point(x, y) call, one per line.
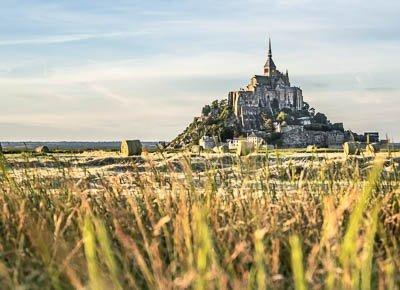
point(265, 94)
point(269, 108)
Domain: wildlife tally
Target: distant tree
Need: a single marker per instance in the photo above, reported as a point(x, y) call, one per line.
point(225, 114)
point(214, 104)
point(206, 110)
point(306, 106)
point(338, 126)
point(320, 118)
point(287, 110)
point(269, 126)
point(282, 116)
point(226, 133)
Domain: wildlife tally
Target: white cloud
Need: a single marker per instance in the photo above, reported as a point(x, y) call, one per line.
point(54, 39)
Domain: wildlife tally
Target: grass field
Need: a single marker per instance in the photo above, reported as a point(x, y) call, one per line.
point(284, 220)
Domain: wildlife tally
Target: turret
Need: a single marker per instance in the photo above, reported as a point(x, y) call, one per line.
point(287, 77)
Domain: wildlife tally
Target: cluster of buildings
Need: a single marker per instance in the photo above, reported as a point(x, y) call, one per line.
point(267, 95)
point(207, 142)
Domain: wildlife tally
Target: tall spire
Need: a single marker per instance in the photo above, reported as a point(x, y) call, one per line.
point(269, 47)
point(269, 67)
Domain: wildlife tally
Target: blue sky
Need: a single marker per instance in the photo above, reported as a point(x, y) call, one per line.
point(107, 70)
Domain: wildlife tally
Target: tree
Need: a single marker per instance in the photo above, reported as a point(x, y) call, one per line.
point(281, 117)
point(206, 110)
point(338, 126)
point(320, 118)
point(269, 126)
point(214, 104)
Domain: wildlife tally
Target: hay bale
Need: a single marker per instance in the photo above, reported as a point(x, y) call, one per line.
point(372, 148)
point(351, 148)
point(42, 149)
point(131, 147)
point(244, 148)
point(196, 149)
point(311, 148)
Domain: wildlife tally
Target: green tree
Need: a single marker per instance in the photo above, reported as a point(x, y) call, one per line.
point(320, 118)
point(206, 110)
point(282, 116)
point(269, 126)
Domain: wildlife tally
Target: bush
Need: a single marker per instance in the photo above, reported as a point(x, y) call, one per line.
point(318, 127)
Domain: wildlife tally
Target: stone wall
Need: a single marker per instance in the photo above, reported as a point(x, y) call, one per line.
point(303, 138)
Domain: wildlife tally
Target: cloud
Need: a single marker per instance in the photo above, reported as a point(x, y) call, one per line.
point(55, 39)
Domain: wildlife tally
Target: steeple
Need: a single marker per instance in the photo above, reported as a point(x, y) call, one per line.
point(269, 48)
point(269, 67)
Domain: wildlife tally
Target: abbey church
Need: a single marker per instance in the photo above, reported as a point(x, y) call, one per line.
point(267, 93)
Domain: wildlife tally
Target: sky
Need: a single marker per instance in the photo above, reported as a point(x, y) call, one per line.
point(112, 70)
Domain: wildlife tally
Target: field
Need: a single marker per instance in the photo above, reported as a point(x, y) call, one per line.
point(276, 220)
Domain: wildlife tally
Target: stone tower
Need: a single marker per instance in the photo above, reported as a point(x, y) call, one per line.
point(269, 67)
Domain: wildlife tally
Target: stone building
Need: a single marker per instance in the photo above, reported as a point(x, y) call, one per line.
point(252, 138)
point(206, 142)
point(299, 137)
point(267, 93)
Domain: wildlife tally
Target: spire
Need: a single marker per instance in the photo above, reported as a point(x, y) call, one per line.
point(287, 77)
point(269, 47)
point(269, 67)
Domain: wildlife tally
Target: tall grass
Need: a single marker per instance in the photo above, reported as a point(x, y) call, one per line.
point(225, 223)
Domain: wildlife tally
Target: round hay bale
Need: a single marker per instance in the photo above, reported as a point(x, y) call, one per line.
point(196, 149)
point(131, 147)
point(244, 148)
point(351, 148)
point(42, 149)
point(311, 149)
point(372, 148)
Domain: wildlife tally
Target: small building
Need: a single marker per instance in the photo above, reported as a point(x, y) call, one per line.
point(252, 138)
point(256, 140)
point(233, 143)
point(207, 142)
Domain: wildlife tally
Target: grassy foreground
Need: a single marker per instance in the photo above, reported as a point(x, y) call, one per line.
point(329, 225)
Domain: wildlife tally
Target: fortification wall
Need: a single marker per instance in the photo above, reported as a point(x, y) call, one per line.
point(303, 138)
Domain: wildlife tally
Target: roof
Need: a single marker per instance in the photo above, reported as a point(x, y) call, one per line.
point(270, 63)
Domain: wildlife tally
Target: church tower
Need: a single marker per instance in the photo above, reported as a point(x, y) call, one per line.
point(269, 67)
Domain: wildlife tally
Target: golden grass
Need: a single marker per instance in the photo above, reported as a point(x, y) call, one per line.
point(253, 223)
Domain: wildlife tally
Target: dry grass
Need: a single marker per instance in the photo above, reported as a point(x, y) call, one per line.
point(252, 223)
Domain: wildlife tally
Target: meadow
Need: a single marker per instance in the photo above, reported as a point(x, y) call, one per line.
point(273, 220)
